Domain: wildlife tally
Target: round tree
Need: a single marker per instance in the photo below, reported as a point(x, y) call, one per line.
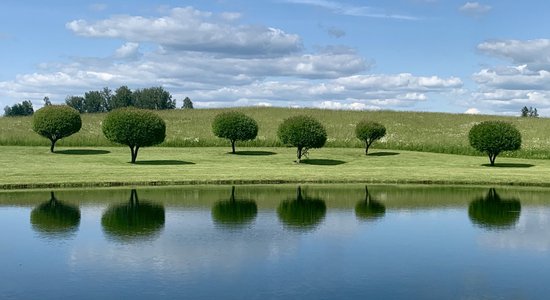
point(493, 137)
point(234, 126)
point(369, 132)
point(135, 128)
point(55, 122)
point(302, 132)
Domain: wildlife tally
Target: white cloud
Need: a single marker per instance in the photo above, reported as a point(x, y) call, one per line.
point(472, 111)
point(475, 8)
point(216, 74)
point(535, 54)
point(127, 51)
point(356, 11)
point(193, 30)
point(505, 89)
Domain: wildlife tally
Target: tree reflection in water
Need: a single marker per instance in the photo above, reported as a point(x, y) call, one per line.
point(55, 219)
point(134, 221)
point(234, 213)
point(303, 213)
point(369, 209)
point(492, 212)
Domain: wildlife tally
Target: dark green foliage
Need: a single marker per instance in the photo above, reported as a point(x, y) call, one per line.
point(492, 212)
point(234, 126)
point(135, 128)
point(187, 103)
point(369, 209)
point(493, 137)
point(235, 212)
point(302, 213)
point(19, 109)
point(55, 122)
point(94, 102)
point(76, 102)
point(55, 218)
point(123, 97)
point(47, 101)
point(369, 132)
point(302, 132)
point(134, 220)
point(529, 112)
point(153, 98)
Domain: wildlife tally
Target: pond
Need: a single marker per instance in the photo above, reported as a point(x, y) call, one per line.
point(276, 241)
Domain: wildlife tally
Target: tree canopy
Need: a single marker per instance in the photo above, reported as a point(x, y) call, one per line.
point(55, 122)
point(302, 132)
point(135, 128)
point(234, 126)
point(493, 137)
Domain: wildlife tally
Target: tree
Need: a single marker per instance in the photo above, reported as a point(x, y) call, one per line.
point(76, 102)
point(19, 109)
point(187, 103)
point(106, 94)
point(369, 132)
point(525, 112)
point(302, 132)
point(234, 126)
point(47, 101)
point(135, 128)
point(55, 122)
point(493, 137)
point(529, 112)
point(123, 97)
point(154, 98)
point(94, 102)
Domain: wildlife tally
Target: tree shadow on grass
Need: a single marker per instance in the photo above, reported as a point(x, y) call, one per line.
point(167, 162)
point(322, 162)
point(383, 154)
point(82, 152)
point(509, 165)
point(254, 153)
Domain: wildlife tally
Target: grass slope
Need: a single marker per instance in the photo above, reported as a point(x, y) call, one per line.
point(35, 167)
point(414, 131)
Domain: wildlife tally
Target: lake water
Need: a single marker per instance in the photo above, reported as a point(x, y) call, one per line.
point(284, 242)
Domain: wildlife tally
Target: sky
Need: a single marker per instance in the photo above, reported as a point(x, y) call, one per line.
point(488, 57)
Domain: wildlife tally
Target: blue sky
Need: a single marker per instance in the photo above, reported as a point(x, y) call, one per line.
point(488, 57)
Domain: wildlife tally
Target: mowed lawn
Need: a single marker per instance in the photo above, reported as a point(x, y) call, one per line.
point(35, 167)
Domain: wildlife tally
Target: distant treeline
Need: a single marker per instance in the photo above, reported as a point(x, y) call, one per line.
point(106, 100)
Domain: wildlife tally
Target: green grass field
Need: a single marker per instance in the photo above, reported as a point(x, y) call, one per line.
point(35, 167)
point(414, 131)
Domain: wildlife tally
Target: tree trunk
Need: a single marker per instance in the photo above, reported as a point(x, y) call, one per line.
point(134, 151)
point(299, 154)
point(492, 159)
point(52, 145)
point(233, 147)
point(367, 145)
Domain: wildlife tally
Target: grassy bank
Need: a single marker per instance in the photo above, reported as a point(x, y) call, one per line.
point(413, 131)
point(35, 167)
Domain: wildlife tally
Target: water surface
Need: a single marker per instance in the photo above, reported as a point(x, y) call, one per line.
point(265, 242)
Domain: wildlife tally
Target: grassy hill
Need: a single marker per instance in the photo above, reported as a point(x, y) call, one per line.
point(416, 131)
